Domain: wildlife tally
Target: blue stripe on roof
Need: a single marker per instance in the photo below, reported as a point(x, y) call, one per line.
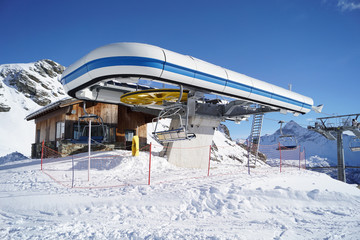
point(170, 67)
point(75, 74)
point(239, 86)
point(288, 100)
point(262, 92)
point(113, 61)
point(125, 61)
point(210, 78)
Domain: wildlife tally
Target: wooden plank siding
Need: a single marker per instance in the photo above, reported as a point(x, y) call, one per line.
point(116, 116)
point(47, 125)
point(130, 120)
point(108, 112)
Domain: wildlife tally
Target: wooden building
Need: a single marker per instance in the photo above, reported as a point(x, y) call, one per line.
point(62, 126)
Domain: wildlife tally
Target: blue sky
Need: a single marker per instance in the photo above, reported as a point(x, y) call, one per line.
point(312, 44)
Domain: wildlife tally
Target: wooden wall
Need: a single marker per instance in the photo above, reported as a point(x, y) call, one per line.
point(108, 112)
point(130, 120)
point(47, 125)
point(115, 115)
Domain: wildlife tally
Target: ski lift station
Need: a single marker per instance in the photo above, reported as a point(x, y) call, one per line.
point(166, 84)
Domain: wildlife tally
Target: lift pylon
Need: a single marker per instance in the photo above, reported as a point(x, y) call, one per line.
point(336, 125)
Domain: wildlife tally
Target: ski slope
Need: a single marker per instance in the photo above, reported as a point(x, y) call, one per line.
point(294, 204)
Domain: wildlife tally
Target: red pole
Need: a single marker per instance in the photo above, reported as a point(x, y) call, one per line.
point(280, 156)
point(209, 160)
point(149, 164)
point(42, 154)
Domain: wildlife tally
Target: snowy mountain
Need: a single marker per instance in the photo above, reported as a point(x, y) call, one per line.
point(320, 152)
point(12, 157)
point(23, 89)
point(315, 144)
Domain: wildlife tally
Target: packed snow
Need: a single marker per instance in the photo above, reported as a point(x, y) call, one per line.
point(179, 204)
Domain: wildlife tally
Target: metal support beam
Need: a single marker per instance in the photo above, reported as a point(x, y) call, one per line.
point(340, 157)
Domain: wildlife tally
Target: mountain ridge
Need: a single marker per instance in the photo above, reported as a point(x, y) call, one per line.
point(24, 88)
point(314, 143)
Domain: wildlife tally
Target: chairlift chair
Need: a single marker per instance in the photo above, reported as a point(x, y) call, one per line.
point(286, 141)
point(354, 144)
point(180, 133)
point(98, 123)
point(175, 107)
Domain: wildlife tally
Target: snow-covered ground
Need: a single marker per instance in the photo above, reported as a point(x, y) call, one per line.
point(230, 204)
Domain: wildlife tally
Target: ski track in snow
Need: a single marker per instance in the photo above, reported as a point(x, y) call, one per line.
point(263, 205)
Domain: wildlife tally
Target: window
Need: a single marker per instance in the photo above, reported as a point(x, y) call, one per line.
point(129, 134)
point(105, 131)
point(96, 130)
point(37, 138)
point(60, 130)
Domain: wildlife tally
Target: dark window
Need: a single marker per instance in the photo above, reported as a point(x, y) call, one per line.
point(96, 131)
point(37, 138)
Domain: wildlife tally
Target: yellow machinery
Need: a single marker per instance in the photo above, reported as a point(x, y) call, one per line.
point(135, 146)
point(173, 101)
point(154, 96)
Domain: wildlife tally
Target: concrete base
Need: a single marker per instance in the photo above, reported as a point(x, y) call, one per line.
point(193, 153)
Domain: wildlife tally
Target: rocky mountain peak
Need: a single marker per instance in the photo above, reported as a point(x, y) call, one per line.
point(37, 81)
point(47, 67)
point(223, 129)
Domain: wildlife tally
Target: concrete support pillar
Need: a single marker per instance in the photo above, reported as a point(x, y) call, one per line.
point(340, 157)
point(193, 153)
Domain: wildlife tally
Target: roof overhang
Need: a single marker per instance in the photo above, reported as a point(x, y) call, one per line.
point(52, 107)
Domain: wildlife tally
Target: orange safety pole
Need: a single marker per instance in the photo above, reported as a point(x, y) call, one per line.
point(42, 154)
point(280, 156)
point(209, 160)
point(149, 164)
